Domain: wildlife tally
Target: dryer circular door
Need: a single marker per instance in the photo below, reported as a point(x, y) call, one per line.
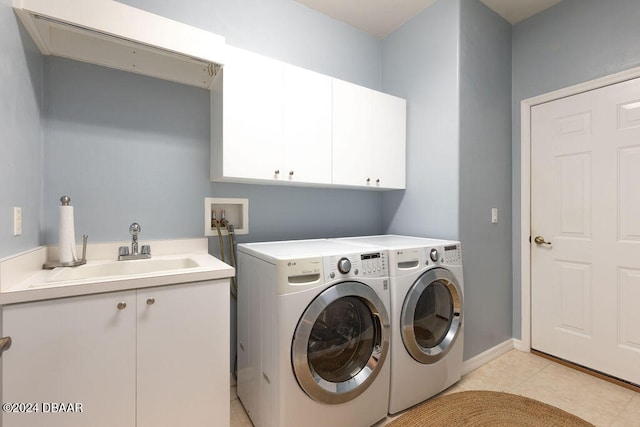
point(431, 316)
point(340, 343)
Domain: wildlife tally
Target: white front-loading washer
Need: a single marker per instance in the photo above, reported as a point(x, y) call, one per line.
point(313, 333)
point(426, 285)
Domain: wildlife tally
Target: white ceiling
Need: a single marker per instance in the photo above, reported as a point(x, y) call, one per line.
point(381, 17)
point(515, 11)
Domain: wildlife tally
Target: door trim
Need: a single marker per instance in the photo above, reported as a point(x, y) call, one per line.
point(525, 184)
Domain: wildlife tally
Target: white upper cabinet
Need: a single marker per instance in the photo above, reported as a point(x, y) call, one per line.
point(388, 141)
point(306, 126)
point(275, 123)
point(113, 34)
point(271, 122)
point(247, 118)
point(369, 137)
point(352, 133)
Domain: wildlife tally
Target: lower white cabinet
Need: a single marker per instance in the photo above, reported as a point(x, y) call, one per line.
point(147, 357)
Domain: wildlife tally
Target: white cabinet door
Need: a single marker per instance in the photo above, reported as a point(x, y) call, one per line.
point(252, 116)
point(369, 137)
point(388, 153)
point(275, 120)
point(183, 355)
point(351, 134)
point(73, 351)
point(306, 126)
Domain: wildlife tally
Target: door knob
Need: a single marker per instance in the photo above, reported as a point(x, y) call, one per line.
point(540, 241)
point(5, 343)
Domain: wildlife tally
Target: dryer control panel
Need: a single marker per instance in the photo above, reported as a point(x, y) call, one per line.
point(446, 254)
point(370, 264)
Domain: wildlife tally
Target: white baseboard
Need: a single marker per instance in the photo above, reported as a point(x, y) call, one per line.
point(487, 356)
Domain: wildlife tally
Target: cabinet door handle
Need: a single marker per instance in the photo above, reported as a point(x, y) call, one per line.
point(368, 180)
point(122, 305)
point(290, 173)
point(378, 181)
point(277, 171)
point(5, 343)
point(151, 301)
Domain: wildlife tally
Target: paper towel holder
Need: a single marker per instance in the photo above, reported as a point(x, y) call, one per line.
point(65, 200)
point(55, 264)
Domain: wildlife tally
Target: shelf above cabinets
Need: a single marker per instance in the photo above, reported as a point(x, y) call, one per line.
point(112, 34)
point(274, 123)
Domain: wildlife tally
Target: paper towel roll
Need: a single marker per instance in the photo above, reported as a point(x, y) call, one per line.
point(67, 250)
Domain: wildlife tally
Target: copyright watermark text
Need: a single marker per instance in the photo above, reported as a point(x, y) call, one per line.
point(44, 407)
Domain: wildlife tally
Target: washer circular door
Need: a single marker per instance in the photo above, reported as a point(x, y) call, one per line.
point(431, 316)
point(340, 343)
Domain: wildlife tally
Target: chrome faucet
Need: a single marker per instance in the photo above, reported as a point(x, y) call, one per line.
point(123, 251)
point(134, 229)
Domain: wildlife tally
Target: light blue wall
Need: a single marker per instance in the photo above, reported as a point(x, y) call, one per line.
point(284, 30)
point(125, 148)
point(20, 142)
point(573, 42)
point(453, 65)
point(128, 147)
point(132, 148)
point(420, 64)
point(485, 175)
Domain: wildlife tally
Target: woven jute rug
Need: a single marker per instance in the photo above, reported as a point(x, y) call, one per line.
point(486, 409)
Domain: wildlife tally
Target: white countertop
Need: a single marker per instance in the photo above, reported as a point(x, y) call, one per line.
point(22, 278)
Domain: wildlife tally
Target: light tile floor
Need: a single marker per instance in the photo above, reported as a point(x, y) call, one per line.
point(517, 372)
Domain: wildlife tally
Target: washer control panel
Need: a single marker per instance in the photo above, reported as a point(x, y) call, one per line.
point(344, 265)
point(371, 264)
point(452, 254)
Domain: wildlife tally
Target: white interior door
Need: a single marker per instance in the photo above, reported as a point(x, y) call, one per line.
point(585, 203)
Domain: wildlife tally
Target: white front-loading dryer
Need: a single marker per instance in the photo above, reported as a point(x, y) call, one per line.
point(313, 333)
point(426, 316)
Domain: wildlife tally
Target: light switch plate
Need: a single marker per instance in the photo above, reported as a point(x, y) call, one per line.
point(17, 221)
point(494, 215)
